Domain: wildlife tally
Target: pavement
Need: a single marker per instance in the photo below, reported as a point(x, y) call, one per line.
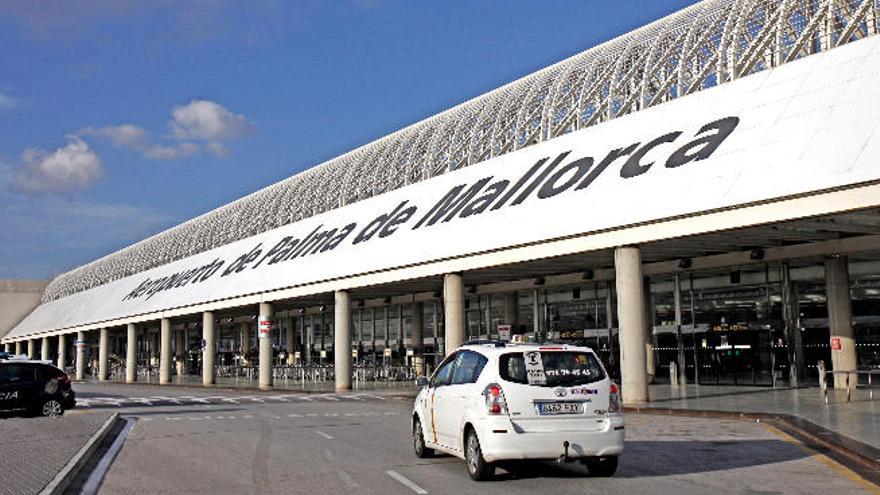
point(34, 450)
point(858, 420)
point(189, 439)
point(238, 441)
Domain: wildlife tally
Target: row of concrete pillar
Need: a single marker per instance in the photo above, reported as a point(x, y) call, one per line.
point(635, 347)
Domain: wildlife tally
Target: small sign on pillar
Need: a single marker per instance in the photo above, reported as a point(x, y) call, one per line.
point(265, 326)
point(835, 343)
point(504, 332)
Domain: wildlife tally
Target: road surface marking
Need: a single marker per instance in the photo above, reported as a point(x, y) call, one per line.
point(406, 482)
point(346, 479)
point(321, 433)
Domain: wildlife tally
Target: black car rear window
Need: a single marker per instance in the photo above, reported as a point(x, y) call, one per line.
point(16, 373)
point(551, 368)
point(48, 372)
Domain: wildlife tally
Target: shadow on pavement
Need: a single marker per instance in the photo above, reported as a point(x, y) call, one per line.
point(650, 458)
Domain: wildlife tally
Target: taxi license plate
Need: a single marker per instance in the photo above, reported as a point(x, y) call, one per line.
point(554, 408)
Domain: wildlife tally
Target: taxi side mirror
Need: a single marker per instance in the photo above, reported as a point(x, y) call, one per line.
point(422, 381)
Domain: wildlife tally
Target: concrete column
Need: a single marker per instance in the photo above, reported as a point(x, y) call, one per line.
point(7, 347)
point(453, 311)
point(32, 348)
point(80, 355)
point(309, 336)
point(511, 313)
point(180, 352)
point(631, 317)
point(208, 351)
point(164, 351)
point(342, 340)
point(245, 343)
point(18, 348)
point(682, 362)
point(418, 309)
point(265, 328)
point(44, 350)
point(843, 346)
point(131, 354)
point(536, 314)
point(103, 372)
point(62, 352)
point(650, 365)
point(291, 340)
point(154, 349)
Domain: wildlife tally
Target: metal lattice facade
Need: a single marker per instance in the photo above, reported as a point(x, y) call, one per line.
point(710, 43)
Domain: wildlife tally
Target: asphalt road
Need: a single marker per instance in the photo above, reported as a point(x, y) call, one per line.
point(209, 441)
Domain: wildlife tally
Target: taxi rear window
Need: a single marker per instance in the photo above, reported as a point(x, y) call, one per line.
point(551, 368)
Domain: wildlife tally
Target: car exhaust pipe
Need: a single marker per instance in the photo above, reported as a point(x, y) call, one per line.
point(564, 457)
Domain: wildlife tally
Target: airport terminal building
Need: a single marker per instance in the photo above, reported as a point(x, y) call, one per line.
point(703, 191)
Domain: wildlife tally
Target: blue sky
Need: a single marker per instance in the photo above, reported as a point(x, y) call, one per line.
point(120, 118)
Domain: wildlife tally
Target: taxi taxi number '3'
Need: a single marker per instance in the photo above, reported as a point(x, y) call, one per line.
point(490, 402)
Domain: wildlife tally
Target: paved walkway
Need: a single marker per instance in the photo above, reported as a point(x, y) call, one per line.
point(34, 450)
point(858, 419)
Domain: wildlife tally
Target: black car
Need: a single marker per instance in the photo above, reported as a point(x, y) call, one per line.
point(35, 387)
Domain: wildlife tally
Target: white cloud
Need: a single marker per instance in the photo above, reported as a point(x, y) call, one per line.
point(209, 121)
point(218, 149)
point(7, 102)
point(124, 136)
point(70, 167)
point(161, 152)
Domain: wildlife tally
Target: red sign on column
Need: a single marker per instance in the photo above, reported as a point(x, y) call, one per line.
point(265, 327)
point(835, 343)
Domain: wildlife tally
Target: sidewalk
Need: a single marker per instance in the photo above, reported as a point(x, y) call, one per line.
point(35, 449)
point(858, 420)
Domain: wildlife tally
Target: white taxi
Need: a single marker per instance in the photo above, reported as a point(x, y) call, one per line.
point(492, 401)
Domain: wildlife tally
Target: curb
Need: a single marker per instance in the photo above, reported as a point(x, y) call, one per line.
point(860, 457)
point(73, 467)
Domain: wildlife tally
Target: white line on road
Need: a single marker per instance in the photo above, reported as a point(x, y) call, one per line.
point(321, 433)
point(406, 482)
point(346, 479)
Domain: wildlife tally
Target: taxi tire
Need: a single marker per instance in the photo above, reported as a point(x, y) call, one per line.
point(601, 467)
point(421, 451)
point(478, 468)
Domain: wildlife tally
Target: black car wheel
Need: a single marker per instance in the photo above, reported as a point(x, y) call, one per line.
point(51, 407)
point(421, 451)
point(478, 468)
point(603, 467)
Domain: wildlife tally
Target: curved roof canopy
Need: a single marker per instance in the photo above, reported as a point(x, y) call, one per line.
point(710, 43)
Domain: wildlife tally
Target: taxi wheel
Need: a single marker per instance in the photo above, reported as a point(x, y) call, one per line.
point(422, 452)
point(478, 468)
point(603, 467)
point(51, 408)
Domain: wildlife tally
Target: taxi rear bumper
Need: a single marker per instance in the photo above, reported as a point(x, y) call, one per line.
point(501, 439)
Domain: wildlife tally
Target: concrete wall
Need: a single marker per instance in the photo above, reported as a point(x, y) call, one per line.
point(17, 299)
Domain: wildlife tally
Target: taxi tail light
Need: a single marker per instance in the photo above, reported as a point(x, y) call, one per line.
point(495, 402)
point(614, 398)
point(63, 378)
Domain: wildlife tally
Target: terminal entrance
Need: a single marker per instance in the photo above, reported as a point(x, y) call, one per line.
point(764, 324)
